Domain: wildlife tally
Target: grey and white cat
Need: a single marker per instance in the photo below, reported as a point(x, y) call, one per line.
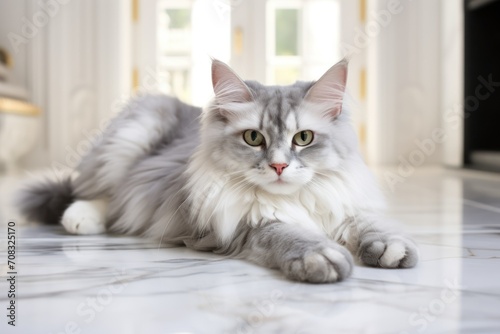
point(268, 173)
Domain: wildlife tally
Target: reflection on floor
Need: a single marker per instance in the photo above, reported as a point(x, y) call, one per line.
point(105, 284)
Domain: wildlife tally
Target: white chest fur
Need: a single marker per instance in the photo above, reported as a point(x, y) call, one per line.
point(219, 204)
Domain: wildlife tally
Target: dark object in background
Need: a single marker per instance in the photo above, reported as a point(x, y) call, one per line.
point(4, 57)
point(482, 60)
point(5, 62)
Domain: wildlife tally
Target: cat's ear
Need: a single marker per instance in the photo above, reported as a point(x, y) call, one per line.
point(329, 89)
point(228, 86)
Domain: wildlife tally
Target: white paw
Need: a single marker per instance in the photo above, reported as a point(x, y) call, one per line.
point(388, 251)
point(85, 217)
point(331, 263)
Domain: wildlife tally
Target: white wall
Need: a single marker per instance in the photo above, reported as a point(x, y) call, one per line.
point(74, 62)
point(356, 52)
point(10, 13)
point(404, 74)
point(452, 81)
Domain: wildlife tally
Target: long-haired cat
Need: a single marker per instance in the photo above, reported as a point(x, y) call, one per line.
point(268, 173)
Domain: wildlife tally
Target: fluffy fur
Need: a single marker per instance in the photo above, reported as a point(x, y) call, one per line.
point(46, 201)
point(170, 171)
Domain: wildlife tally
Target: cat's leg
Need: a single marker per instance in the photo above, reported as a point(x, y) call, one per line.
point(301, 254)
point(85, 217)
point(375, 245)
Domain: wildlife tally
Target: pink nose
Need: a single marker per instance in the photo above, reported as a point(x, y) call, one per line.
point(279, 167)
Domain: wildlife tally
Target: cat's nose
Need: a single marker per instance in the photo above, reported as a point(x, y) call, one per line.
point(279, 167)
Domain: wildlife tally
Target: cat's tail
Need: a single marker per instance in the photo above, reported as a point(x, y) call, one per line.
point(45, 201)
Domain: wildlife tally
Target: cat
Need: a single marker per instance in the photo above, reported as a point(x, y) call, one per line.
point(271, 174)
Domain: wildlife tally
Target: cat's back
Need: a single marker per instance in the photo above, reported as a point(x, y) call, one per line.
point(167, 111)
point(151, 120)
point(146, 126)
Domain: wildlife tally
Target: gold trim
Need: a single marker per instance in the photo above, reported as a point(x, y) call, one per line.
point(135, 10)
point(135, 79)
point(362, 11)
point(362, 134)
point(238, 41)
point(12, 106)
point(362, 84)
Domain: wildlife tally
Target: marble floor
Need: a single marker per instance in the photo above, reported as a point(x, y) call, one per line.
point(99, 284)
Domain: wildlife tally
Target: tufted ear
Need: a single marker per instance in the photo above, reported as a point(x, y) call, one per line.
point(228, 86)
point(329, 89)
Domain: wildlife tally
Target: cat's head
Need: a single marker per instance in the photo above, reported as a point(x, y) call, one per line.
point(277, 138)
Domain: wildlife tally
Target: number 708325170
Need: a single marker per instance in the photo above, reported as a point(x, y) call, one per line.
point(11, 246)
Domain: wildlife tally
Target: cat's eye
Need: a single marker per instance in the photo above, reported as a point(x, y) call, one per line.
point(303, 138)
point(253, 137)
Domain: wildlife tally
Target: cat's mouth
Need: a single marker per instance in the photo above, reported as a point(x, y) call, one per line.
point(280, 181)
point(280, 186)
point(277, 179)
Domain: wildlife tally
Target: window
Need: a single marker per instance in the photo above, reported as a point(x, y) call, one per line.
point(296, 40)
point(189, 34)
point(303, 39)
point(175, 45)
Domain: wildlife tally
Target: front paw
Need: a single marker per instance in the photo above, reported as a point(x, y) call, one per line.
point(387, 251)
point(318, 264)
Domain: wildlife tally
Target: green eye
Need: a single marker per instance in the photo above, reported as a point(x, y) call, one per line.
point(253, 138)
point(303, 138)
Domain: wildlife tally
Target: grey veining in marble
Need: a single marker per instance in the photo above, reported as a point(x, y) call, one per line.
point(102, 284)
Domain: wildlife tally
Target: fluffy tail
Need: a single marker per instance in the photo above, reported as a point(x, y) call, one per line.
point(45, 201)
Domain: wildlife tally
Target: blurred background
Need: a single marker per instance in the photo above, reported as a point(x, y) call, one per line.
point(423, 73)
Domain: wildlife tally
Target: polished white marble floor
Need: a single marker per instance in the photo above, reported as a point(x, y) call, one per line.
point(100, 284)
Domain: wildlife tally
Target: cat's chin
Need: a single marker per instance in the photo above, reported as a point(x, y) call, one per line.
point(281, 188)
